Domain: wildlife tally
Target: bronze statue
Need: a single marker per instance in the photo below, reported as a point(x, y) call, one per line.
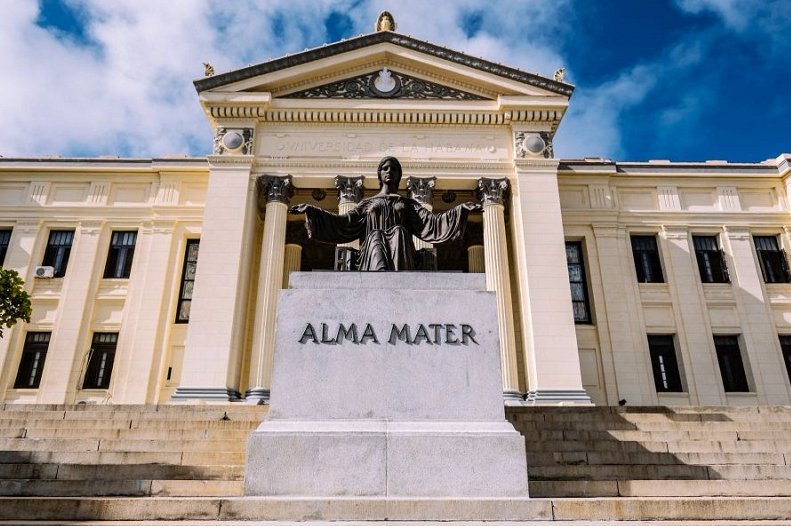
point(385, 223)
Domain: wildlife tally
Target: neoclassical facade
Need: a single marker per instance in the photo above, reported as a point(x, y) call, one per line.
point(156, 280)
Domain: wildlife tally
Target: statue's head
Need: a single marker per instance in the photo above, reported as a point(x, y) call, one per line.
point(391, 166)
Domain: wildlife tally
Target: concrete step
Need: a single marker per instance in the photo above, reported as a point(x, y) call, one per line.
point(659, 488)
point(136, 434)
point(657, 446)
point(120, 472)
point(624, 458)
point(121, 488)
point(396, 509)
point(658, 472)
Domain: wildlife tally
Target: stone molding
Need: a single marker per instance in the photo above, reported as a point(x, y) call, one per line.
point(492, 191)
point(350, 189)
point(557, 397)
point(421, 189)
point(274, 189)
point(213, 394)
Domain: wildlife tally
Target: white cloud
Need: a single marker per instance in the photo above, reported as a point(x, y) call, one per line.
point(130, 92)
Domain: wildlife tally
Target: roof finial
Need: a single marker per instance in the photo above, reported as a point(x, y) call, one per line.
point(559, 74)
point(208, 69)
point(385, 22)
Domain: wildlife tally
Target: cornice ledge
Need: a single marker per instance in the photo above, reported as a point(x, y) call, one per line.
point(354, 165)
point(527, 164)
point(241, 160)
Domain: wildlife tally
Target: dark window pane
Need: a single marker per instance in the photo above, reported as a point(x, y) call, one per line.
point(5, 239)
point(785, 345)
point(664, 363)
point(772, 259)
point(579, 289)
point(58, 250)
point(120, 254)
point(646, 259)
point(711, 260)
point(31, 365)
point(100, 360)
point(187, 281)
point(729, 357)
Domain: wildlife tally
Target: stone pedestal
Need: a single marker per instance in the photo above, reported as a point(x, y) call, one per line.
point(386, 385)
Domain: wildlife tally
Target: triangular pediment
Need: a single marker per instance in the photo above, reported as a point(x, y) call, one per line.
point(423, 70)
point(383, 84)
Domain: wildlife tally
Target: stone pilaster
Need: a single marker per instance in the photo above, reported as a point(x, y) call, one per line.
point(758, 335)
point(213, 351)
point(274, 194)
point(70, 338)
point(421, 189)
point(550, 340)
point(492, 193)
point(142, 325)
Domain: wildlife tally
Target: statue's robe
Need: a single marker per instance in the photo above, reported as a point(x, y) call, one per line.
point(384, 225)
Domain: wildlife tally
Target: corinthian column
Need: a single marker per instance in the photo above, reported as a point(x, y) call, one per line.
point(421, 189)
point(274, 194)
point(350, 192)
point(492, 193)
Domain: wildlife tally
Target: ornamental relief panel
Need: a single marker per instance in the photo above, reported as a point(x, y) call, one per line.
point(385, 84)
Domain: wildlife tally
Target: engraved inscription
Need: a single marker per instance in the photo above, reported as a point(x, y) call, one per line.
point(416, 334)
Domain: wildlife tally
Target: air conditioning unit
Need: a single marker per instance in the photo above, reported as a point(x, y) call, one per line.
point(45, 272)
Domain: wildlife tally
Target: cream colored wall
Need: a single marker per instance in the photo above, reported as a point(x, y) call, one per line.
point(163, 201)
point(603, 206)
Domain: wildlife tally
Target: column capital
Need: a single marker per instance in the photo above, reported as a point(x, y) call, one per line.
point(274, 189)
point(421, 189)
point(350, 189)
point(492, 191)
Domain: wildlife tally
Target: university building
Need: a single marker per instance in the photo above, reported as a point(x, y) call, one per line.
point(156, 280)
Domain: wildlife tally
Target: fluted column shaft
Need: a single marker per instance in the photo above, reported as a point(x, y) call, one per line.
point(492, 192)
point(275, 192)
point(421, 189)
point(476, 259)
point(350, 192)
point(292, 261)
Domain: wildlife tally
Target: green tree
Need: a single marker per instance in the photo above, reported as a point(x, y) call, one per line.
point(14, 299)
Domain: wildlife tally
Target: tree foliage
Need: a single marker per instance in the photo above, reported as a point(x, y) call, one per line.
point(14, 299)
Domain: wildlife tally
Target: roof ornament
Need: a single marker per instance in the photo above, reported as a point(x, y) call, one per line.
point(385, 22)
point(559, 74)
point(208, 70)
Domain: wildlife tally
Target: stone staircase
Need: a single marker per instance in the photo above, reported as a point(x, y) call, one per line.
point(178, 463)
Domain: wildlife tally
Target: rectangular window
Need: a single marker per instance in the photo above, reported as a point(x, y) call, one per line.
point(32, 363)
point(785, 346)
point(5, 239)
point(119, 257)
point(664, 363)
point(58, 250)
point(100, 360)
point(187, 281)
point(772, 259)
point(646, 259)
point(579, 289)
point(734, 377)
point(711, 260)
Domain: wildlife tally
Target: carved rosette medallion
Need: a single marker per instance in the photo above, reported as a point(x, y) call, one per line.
point(532, 144)
point(350, 189)
point(233, 141)
point(492, 191)
point(421, 189)
point(274, 189)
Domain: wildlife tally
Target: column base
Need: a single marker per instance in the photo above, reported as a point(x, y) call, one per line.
point(558, 397)
point(209, 394)
point(259, 396)
point(511, 397)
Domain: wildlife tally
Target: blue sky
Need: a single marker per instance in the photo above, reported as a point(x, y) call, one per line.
point(672, 79)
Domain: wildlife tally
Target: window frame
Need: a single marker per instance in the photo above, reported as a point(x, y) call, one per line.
point(5, 242)
point(712, 265)
point(734, 350)
point(100, 361)
point(582, 282)
point(32, 360)
point(773, 262)
point(665, 363)
point(57, 255)
point(641, 264)
point(120, 255)
point(785, 349)
point(184, 280)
